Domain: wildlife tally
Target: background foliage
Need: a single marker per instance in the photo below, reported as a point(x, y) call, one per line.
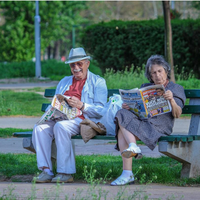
point(119, 44)
point(18, 38)
point(53, 69)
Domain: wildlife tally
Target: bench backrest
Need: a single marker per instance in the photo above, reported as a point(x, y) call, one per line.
point(192, 94)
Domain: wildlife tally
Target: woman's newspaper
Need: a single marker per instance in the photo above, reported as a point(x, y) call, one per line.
point(146, 102)
point(59, 110)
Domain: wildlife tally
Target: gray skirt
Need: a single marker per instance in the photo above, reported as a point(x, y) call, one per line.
point(143, 129)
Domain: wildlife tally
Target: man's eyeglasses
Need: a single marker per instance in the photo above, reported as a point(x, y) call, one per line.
point(79, 64)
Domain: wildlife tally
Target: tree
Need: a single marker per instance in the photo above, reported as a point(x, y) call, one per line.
point(17, 33)
point(168, 37)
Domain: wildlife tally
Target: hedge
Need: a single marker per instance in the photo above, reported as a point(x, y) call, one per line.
point(119, 44)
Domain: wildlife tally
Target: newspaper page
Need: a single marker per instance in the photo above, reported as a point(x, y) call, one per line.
point(134, 100)
point(52, 114)
point(154, 101)
point(59, 110)
point(146, 102)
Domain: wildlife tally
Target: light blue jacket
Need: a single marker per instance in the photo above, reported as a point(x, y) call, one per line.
point(94, 94)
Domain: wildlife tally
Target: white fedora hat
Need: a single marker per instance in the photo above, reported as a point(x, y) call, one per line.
point(76, 55)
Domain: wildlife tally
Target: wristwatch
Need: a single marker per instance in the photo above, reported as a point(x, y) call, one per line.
point(82, 108)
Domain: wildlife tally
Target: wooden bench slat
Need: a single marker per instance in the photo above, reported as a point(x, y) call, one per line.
point(192, 93)
point(44, 106)
point(177, 138)
point(98, 137)
point(22, 134)
point(196, 137)
point(191, 109)
point(49, 92)
point(112, 91)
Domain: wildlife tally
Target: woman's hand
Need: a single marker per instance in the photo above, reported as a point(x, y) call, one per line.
point(125, 106)
point(75, 102)
point(176, 110)
point(168, 95)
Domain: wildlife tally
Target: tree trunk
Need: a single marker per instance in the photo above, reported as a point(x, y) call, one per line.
point(56, 50)
point(168, 37)
point(49, 52)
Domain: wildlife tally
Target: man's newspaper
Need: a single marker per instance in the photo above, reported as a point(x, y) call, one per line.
point(146, 102)
point(59, 110)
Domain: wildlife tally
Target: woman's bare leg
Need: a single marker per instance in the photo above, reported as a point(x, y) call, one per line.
point(132, 150)
point(128, 136)
point(127, 162)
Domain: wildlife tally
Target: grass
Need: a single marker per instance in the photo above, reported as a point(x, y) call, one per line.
point(165, 169)
point(20, 103)
point(7, 132)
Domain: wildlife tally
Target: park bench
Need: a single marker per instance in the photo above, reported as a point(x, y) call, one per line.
point(183, 148)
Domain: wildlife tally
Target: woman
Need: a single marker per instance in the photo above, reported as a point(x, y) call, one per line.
point(130, 128)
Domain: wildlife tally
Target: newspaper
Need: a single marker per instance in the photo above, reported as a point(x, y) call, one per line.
point(59, 110)
point(146, 102)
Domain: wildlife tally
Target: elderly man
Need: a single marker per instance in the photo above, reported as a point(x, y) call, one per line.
point(88, 93)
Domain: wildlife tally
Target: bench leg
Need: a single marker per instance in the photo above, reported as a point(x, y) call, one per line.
point(27, 144)
point(185, 152)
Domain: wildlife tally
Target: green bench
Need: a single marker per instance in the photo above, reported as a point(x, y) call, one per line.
point(183, 148)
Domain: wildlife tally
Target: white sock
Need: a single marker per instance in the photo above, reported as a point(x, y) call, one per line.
point(133, 145)
point(126, 174)
point(48, 171)
point(124, 178)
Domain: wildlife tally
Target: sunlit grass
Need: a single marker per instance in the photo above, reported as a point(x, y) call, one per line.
point(165, 169)
point(7, 132)
point(21, 103)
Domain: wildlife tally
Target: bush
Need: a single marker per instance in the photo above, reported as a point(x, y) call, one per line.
point(119, 44)
point(49, 68)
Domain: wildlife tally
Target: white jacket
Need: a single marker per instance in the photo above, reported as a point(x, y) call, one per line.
point(94, 94)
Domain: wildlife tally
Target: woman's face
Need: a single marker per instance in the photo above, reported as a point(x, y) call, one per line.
point(158, 74)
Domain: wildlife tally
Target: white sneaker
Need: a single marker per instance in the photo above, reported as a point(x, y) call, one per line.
point(44, 178)
point(123, 181)
point(62, 178)
point(132, 152)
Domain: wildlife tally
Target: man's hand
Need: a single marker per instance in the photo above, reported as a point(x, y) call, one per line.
point(75, 102)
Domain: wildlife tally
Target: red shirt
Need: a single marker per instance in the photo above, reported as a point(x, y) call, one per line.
point(75, 90)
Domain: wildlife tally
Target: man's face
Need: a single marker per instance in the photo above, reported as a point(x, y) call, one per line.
point(79, 69)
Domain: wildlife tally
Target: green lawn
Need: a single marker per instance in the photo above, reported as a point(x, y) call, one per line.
point(159, 170)
point(7, 132)
point(13, 103)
